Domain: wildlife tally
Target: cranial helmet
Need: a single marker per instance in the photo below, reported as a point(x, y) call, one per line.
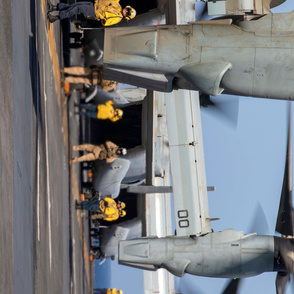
point(123, 151)
point(122, 204)
point(131, 12)
point(123, 213)
point(120, 112)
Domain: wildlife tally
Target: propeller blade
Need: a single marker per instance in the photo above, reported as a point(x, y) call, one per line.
point(286, 250)
point(281, 282)
point(233, 287)
point(259, 223)
point(187, 288)
point(226, 108)
point(284, 223)
point(275, 3)
point(201, 11)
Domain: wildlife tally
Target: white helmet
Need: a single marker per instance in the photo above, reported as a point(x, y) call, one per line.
point(131, 12)
point(123, 151)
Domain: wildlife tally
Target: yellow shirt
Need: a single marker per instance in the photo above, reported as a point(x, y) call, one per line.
point(110, 210)
point(106, 111)
point(111, 217)
point(108, 11)
point(114, 291)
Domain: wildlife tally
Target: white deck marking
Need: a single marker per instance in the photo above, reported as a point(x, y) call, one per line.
point(48, 184)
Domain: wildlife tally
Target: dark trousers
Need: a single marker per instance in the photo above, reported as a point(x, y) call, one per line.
point(91, 110)
point(91, 205)
point(69, 10)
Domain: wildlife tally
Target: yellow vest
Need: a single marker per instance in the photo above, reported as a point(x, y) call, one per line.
point(109, 12)
point(110, 211)
point(106, 111)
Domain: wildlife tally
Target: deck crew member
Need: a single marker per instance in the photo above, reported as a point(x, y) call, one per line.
point(107, 151)
point(102, 111)
point(109, 12)
point(106, 209)
point(108, 291)
point(89, 76)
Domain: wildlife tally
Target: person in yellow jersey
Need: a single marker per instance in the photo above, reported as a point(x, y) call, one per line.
point(110, 210)
point(102, 111)
point(106, 209)
point(109, 12)
point(108, 291)
point(114, 291)
point(107, 216)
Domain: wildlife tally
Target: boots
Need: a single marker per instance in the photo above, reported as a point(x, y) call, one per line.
point(52, 18)
point(51, 7)
point(73, 160)
point(78, 205)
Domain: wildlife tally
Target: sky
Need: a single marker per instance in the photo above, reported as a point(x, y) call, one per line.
point(246, 164)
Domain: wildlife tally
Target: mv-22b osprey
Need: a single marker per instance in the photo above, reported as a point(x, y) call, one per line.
point(248, 53)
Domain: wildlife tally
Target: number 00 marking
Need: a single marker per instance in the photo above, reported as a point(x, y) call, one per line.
point(183, 213)
point(183, 222)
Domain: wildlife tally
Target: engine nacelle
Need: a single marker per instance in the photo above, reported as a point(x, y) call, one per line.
point(226, 254)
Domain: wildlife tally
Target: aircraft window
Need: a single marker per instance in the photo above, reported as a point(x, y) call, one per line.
point(183, 213)
point(184, 223)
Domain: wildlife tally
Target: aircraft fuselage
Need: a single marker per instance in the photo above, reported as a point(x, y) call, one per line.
point(248, 58)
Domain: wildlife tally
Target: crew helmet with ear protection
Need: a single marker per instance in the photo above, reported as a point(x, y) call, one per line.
point(122, 204)
point(123, 213)
point(131, 12)
point(120, 112)
point(123, 151)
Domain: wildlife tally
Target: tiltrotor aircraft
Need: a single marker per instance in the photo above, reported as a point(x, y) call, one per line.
point(246, 52)
point(226, 254)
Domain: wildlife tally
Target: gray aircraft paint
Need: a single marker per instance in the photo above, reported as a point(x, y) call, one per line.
point(245, 58)
point(226, 254)
point(108, 176)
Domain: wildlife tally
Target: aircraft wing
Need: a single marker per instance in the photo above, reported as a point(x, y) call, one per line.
point(186, 144)
point(187, 163)
point(160, 281)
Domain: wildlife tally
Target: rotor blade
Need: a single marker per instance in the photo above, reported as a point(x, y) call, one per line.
point(259, 223)
point(281, 282)
point(275, 3)
point(233, 287)
point(187, 288)
point(225, 108)
point(287, 253)
point(284, 223)
point(201, 11)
